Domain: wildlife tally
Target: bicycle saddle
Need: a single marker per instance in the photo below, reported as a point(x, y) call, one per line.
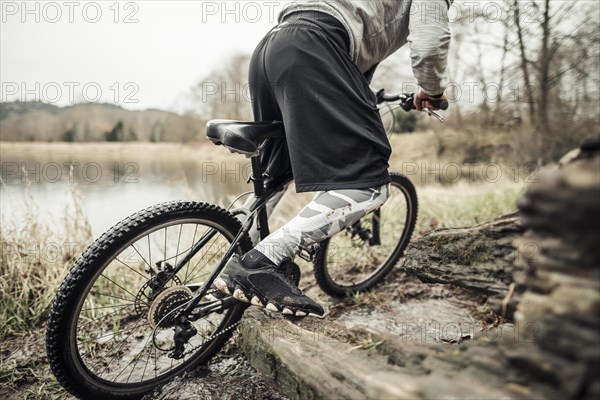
point(243, 137)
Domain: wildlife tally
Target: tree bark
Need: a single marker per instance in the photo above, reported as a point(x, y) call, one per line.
point(544, 63)
point(524, 64)
point(478, 258)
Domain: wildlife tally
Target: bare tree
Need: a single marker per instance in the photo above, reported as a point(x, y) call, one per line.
point(224, 93)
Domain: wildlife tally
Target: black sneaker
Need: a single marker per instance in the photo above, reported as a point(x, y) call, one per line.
point(256, 280)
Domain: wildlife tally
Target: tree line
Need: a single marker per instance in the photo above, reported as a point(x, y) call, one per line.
point(526, 69)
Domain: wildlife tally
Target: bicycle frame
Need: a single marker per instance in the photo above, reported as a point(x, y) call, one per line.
point(257, 208)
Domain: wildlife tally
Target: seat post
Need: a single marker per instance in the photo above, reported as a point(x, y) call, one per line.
point(261, 193)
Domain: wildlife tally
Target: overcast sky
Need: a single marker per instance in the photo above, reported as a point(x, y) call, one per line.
point(149, 51)
point(142, 54)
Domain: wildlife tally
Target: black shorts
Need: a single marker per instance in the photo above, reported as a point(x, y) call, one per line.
point(301, 73)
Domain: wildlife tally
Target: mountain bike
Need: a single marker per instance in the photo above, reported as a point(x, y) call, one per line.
point(138, 307)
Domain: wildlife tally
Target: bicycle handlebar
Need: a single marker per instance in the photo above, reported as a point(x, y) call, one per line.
point(407, 100)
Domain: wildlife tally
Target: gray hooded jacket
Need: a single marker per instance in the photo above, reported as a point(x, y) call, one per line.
point(377, 28)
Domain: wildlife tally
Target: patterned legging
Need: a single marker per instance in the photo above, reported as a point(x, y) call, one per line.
point(327, 214)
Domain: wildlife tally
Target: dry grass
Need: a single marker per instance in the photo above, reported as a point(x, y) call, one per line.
point(102, 151)
point(31, 269)
point(34, 260)
point(464, 204)
point(24, 370)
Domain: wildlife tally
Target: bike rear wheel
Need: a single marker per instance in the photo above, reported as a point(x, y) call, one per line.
point(358, 258)
point(111, 328)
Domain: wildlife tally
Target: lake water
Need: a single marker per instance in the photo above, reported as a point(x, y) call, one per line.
point(114, 180)
point(117, 179)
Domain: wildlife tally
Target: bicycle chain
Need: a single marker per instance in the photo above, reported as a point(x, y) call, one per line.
point(213, 337)
point(222, 332)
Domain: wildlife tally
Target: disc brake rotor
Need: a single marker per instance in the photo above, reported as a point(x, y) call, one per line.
point(151, 289)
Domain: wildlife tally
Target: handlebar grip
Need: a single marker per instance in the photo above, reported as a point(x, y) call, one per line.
point(409, 105)
point(390, 97)
point(407, 100)
point(441, 104)
point(383, 97)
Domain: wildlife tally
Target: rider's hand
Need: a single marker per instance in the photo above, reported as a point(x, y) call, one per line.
point(421, 100)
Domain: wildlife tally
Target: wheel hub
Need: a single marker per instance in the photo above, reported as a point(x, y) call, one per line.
point(151, 289)
point(161, 313)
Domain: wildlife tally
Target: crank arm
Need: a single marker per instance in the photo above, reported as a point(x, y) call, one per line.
point(218, 306)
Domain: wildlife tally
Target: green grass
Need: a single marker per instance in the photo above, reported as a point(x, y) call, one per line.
point(463, 205)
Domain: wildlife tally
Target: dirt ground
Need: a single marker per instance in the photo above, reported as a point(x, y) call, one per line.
point(401, 305)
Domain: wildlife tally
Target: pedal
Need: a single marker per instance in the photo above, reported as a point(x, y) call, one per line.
point(215, 295)
point(308, 254)
point(212, 294)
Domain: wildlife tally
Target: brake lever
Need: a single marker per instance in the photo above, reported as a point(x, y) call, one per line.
point(433, 114)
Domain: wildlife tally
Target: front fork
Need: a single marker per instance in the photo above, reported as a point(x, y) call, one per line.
point(376, 236)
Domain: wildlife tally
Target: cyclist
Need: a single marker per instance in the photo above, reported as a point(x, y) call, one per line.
point(312, 71)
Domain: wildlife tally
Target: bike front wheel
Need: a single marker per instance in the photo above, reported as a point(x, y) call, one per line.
point(111, 326)
point(358, 258)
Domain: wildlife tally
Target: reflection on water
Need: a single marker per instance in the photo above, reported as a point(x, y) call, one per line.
point(115, 180)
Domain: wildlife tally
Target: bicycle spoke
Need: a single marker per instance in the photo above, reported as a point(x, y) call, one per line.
point(165, 255)
point(121, 306)
point(198, 262)
point(149, 250)
point(187, 267)
point(196, 276)
point(137, 272)
point(155, 365)
point(119, 348)
point(114, 297)
point(141, 256)
point(97, 319)
point(116, 284)
point(137, 359)
point(178, 242)
point(114, 338)
point(107, 335)
point(147, 361)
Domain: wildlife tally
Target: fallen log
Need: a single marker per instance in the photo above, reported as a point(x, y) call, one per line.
point(318, 360)
point(478, 258)
point(322, 360)
point(552, 351)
